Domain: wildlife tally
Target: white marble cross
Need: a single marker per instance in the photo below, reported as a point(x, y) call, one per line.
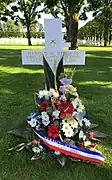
point(53, 48)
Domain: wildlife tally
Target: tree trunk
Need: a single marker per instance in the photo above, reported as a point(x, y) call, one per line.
point(68, 34)
point(68, 28)
point(100, 39)
point(74, 31)
point(105, 35)
point(29, 35)
point(110, 37)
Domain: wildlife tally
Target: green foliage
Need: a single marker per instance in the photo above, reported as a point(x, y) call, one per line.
point(97, 29)
point(91, 29)
point(29, 9)
point(4, 9)
point(9, 29)
point(104, 9)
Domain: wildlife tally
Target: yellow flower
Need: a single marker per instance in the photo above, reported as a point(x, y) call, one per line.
point(70, 89)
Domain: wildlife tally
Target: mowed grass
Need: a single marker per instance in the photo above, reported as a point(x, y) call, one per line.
point(17, 86)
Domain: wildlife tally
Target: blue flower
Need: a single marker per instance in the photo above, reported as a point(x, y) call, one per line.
point(39, 100)
point(62, 89)
point(66, 81)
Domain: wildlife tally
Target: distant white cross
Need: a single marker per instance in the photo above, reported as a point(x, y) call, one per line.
point(53, 48)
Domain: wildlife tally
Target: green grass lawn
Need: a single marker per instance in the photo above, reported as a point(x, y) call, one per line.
point(18, 84)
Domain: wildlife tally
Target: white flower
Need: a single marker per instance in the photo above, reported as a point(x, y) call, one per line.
point(87, 122)
point(81, 108)
point(78, 104)
point(37, 127)
point(33, 122)
point(70, 121)
point(43, 93)
point(68, 131)
point(46, 94)
point(56, 114)
point(87, 143)
point(75, 102)
point(82, 135)
point(57, 153)
point(45, 118)
point(53, 93)
point(41, 148)
point(75, 124)
point(80, 123)
point(45, 115)
point(76, 94)
point(36, 150)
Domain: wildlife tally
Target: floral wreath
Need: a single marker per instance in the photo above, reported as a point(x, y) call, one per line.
point(62, 126)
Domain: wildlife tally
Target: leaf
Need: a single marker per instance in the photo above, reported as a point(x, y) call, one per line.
point(20, 149)
point(69, 141)
point(74, 159)
point(95, 139)
point(14, 148)
point(36, 157)
point(62, 160)
point(22, 132)
point(93, 126)
point(98, 134)
point(18, 132)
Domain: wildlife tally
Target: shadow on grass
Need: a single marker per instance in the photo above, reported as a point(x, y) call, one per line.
point(49, 168)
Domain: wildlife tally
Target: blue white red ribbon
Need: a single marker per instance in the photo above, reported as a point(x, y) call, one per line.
point(70, 150)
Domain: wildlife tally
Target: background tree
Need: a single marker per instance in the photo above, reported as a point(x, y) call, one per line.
point(103, 8)
point(9, 29)
point(70, 11)
point(37, 30)
point(13, 30)
point(29, 9)
point(95, 29)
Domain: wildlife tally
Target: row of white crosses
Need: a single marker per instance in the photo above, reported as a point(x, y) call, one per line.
point(53, 51)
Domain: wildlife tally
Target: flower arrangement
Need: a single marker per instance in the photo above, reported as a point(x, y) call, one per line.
point(62, 125)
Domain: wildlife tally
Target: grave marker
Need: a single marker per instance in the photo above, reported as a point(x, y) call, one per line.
point(53, 57)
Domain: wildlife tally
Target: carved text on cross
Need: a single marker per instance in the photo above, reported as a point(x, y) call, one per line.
point(53, 48)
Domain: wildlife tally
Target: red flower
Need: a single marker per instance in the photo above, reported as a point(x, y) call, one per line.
point(93, 145)
point(66, 109)
point(91, 135)
point(34, 142)
point(82, 144)
point(53, 131)
point(44, 105)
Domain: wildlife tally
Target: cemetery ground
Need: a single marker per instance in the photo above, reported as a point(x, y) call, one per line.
point(18, 84)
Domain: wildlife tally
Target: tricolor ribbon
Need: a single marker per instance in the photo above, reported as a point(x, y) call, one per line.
point(70, 150)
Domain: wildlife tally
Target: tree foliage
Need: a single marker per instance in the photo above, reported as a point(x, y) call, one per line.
point(70, 11)
point(29, 9)
point(5, 9)
point(94, 30)
point(9, 29)
point(103, 8)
